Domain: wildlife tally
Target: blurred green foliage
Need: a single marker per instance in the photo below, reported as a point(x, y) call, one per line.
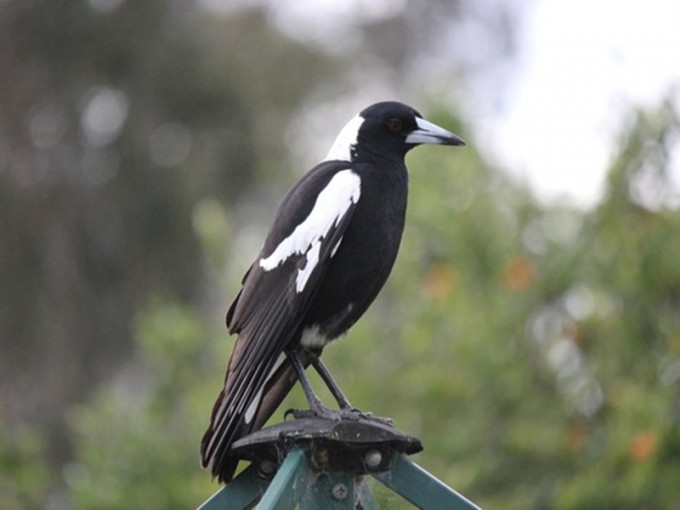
point(136, 442)
point(23, 477)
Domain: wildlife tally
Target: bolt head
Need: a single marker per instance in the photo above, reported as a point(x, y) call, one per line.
point(373, 458)
point(339, 491)
point(267, 467)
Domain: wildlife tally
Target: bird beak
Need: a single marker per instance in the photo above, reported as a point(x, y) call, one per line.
point(428, 132)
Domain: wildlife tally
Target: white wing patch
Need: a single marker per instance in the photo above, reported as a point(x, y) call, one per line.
point(312, 261)
point(341, 150)
point(343, 190)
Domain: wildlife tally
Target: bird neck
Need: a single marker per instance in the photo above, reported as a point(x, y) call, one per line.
point(387, 173)
point(378, 156)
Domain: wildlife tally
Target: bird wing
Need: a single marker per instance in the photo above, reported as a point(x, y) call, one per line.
point(276, 293)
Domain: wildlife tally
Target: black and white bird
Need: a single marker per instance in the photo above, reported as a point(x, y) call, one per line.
point(330, 249)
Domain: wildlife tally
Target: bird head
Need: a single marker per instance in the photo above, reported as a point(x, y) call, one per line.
point(387, 129)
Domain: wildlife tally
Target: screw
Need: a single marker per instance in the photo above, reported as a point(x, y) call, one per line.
point(339, 491)
point(267, 467)
point(373, 458)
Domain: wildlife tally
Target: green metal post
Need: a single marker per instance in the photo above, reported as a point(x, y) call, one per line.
point(290, 482)
point(421, 488)
point(243, 492)
point(338, 491)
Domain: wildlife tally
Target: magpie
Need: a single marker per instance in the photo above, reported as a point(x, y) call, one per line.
point(330, 249)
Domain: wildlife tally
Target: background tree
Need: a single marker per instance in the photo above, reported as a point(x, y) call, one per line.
point(114, 123)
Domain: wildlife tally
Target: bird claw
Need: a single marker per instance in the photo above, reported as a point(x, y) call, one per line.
point(321, 412)
point(349, 413)
point(353, 413)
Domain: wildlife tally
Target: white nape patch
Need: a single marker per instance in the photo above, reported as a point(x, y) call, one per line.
point(312, 338)
point(341, 150)
point(343, 190)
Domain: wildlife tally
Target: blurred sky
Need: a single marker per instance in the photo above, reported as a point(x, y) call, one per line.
point(582, 64)
point(566, 99)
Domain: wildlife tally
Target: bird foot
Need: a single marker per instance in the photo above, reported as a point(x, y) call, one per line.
point(318, 412)
point(352, 413)
point(347, 413)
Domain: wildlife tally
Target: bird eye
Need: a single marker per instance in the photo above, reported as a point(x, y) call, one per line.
point(394, 125)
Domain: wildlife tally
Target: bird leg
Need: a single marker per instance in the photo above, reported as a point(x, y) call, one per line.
point(325, 374)
point(347, 410)
point(316, 407)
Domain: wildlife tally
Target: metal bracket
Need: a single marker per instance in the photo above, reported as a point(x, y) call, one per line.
point(315, 464)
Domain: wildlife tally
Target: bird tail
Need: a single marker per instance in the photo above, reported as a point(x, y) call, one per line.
point(229, 423)
point(232, 416)
point(217, 441)
point(278, 386)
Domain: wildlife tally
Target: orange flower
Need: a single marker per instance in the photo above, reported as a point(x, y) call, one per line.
point(440, 281)
point(577, 436)
point(518, 273)
point(643, 446)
